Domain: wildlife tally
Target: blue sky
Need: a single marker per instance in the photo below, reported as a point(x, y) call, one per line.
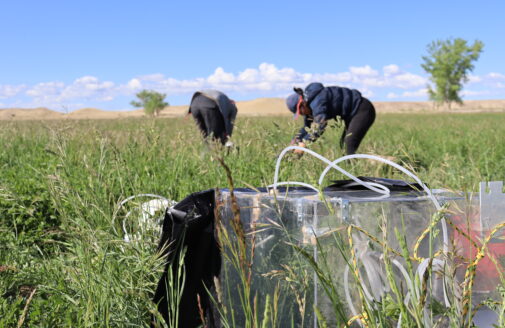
point(72, 54)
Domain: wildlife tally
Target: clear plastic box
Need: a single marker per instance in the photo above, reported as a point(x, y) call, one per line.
point(287, 230)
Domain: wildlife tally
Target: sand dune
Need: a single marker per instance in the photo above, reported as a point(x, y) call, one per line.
point(172, 111)
point(40, 113)
point(256, 107)
point(95, 113)
point(421, 106)
point(263, 107)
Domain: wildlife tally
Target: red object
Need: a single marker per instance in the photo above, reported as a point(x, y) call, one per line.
point(300, 100)
point(487, 275)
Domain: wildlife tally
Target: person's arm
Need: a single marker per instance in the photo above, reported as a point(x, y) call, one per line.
point(319, 108)
point(317, 128)
point(300, 136)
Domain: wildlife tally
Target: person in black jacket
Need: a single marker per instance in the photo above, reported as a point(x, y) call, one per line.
point(318, 104)
point(214, 114)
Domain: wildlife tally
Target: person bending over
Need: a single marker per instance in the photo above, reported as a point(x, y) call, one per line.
point(318, 104)
point(214, 114)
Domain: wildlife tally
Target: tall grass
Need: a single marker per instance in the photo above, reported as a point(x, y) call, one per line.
point(63, 258)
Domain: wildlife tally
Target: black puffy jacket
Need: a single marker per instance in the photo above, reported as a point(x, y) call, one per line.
point(328, 103)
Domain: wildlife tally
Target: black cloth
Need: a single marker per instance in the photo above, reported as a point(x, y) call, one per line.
point(190, 225)
point(208, 117)
point(392, 184)
point(358, 126)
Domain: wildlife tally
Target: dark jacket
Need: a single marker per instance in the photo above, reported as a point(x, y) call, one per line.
point(327, 103)
point(227, 107)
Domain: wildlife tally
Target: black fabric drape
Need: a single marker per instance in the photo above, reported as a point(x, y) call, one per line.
point(190, 225)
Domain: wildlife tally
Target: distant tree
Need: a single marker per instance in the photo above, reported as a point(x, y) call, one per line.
point(153, 102)
point(448, 63)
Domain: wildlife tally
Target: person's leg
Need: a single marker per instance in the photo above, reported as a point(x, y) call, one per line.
point(200, 122)
point(215, 124)
point(359, 125)
point(342, 137)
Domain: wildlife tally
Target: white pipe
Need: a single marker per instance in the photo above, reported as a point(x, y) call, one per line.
point(303, 184)
point(385, 161)
point(368, 185)
point(327, 161)
point(374, 187)
point(408, 173)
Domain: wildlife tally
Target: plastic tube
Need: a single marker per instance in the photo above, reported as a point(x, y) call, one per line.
point(374, 187)
point(294, 183)
point(385, 161)
point(382, 190)
point(368, 185)
point(445, 234)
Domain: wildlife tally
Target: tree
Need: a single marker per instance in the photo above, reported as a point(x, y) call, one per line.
point(152, 102)
point(448, 63)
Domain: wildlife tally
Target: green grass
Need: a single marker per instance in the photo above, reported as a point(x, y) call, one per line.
point(60, 183)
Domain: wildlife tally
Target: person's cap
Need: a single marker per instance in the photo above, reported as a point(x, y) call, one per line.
point(292, 102)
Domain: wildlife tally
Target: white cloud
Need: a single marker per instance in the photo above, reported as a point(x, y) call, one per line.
point(45, 89)
point(221, 77)
point(363, 71)
point(81, 90)
point(391, 70)
point(269, 78)
point(474, 79)
point(88, 87)
point(367, 92)
point(475, 93)
point(496, 76)
point(249, 75)
point(7, 91)
point(415, 94)
point(153, 77)
point(491, 80)
point(266, 79)
point(134, 84)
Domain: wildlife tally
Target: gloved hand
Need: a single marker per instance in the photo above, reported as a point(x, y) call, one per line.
point(299, 151)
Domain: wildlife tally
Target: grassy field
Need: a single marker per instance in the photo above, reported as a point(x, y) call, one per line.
point(63, 261)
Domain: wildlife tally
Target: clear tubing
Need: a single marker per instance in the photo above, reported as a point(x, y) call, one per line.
point(294, 183)
point(405, 274)
point(372, 186)
point(385, 161)
point(406, 172)
point(382, 190)
point(363, 183)
point(437, 265)
point(348, 294)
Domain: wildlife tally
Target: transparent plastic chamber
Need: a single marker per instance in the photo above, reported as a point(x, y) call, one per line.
point(311, 254)
point(293, 233)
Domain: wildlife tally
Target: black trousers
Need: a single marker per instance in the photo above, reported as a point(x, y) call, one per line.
point(358, 126)
point(208, 118)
